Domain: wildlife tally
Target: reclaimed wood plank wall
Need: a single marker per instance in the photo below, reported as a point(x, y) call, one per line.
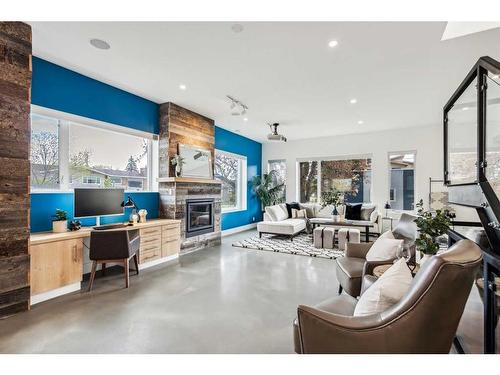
point(15, 95)
point(180, 125)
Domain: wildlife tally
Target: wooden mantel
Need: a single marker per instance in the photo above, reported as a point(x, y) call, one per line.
point(188, 179)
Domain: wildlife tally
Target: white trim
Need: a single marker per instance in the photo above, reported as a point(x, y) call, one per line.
point(43, 111)
point(55, 293)
point(239, 229)
point(146, 265)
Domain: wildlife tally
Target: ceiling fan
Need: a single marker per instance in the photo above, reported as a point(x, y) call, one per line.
point(274, 135)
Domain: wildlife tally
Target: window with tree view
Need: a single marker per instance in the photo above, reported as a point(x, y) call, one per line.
point(279, 176)
point(308, 177)
point(66, 155)
point(230, 169)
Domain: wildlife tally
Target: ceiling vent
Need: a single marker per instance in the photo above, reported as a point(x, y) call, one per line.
point(274, 136)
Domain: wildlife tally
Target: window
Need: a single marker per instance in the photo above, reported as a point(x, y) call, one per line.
point(308, 177)
point(231, 170)
point(350, 176)
point(66, 154)
point(402, 180)
point(280, 176)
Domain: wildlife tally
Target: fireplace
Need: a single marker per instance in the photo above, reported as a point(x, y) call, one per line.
point(199, 216)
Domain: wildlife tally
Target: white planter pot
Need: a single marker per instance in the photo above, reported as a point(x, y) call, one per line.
point(60, 226)
point(424, 258)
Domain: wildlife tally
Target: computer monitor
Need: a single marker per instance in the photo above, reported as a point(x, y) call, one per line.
point(98, 202)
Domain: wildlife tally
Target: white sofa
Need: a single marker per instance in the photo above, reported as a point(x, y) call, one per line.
point(276, 219)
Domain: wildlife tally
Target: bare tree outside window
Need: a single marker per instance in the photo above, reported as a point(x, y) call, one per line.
point(44, 153)
point(280, 176)
point(308, 174)
point(226, 171)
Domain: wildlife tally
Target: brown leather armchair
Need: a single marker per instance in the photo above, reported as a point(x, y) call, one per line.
point(353, 265)
point(424, 321)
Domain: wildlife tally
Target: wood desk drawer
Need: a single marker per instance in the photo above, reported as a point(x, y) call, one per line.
point(170, 247)
point(149, 232)
point(171, 232)
point(149, 253)
point(150, 240)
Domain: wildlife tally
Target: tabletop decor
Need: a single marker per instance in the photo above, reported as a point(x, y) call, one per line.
point(430, 225)
point(334, 198)
point(60, 221)
point(177, 161)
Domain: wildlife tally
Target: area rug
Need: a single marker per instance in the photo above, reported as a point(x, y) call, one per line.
point(301, 245)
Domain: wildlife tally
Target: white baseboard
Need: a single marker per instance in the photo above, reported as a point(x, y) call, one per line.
point(239, 229)
point(158, 261)
point(55, 293)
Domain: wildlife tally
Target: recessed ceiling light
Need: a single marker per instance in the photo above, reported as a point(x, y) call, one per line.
point(99, 43)
point(182, 86)
point(237, 27)
point(360, 122)
point(353, 101)
point(332, 43)
point(245, 119)
point(465, 108)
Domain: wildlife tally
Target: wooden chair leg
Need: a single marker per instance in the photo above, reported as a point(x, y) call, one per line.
point(103, 269)
point(92, 274)
point(127, 272)
point(136, 263)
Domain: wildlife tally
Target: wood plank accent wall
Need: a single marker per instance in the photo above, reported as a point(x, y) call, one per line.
point(15, 95)
point(180, 125)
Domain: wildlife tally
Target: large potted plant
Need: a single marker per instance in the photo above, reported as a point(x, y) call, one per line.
point(333, 198)
point(267, 190)
point(430, 225)
point(60, 221)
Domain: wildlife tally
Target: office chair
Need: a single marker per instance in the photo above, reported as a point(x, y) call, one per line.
point(113, 246)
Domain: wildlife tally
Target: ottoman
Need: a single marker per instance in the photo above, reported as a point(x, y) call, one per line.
point(348, 235)
point(324, 237)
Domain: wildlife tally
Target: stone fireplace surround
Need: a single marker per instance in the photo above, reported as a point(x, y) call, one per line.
point(180, 125)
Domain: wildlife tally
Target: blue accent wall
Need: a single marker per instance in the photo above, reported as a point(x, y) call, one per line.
point(64, 90)
point(44, 205)
point(237, 144)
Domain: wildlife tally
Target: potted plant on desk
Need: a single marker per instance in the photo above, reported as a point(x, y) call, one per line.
point(60, 222)
point(430, 225)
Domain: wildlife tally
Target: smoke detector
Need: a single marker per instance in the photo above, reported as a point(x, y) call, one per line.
point(274, 136)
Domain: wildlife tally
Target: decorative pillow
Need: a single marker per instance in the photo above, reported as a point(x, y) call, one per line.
point(366, 212)
point(353, 211)
point(325, 212)
point(386, 291)
point(384, 249)
point(299, 214)
point(290, 206)
point(387, 234)
point(310, 209)
point(277, 213)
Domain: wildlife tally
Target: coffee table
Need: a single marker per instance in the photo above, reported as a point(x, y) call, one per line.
point(343, 223)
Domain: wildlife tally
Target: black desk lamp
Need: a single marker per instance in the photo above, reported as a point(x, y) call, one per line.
point(130, 203)
point(387, 207)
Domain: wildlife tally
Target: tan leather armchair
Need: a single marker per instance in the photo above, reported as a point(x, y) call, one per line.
point(424, 321)
point(353, 265)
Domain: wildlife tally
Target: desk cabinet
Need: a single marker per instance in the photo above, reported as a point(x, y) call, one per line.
point(55, 264)
point(159, 242)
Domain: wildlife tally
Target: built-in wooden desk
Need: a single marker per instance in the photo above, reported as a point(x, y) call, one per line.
point(57, 258)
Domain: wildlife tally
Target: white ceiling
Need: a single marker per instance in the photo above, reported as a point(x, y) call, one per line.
point(400, 73)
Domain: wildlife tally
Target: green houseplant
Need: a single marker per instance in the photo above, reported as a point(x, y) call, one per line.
point(267, 190)
point(60, 221)
point(334, 198)
point(430, 225)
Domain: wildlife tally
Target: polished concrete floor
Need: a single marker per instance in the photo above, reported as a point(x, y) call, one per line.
point(218, 300)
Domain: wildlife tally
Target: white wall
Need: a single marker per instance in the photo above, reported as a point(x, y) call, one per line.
point(425, 141)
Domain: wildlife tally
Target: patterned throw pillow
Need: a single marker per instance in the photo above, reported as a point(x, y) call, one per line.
point(299, 214)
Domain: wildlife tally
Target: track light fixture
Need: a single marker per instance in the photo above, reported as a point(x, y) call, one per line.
point(237, 107)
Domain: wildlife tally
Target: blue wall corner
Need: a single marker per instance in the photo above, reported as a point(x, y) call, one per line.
point(64, 90)
point(44, 205)
point(237, 144)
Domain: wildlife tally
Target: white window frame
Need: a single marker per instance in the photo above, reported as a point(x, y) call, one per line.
point(241, 184)
point(63, 138)
point(319, 160)
point(93, 178)
point(389, 154)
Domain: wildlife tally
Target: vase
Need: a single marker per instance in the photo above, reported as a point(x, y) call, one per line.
point(424, 258)
point(60, 226)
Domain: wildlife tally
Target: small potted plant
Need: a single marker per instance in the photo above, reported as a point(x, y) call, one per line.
point(178, 162)
point(430, 225)
point(60, 222)
point(334, 198)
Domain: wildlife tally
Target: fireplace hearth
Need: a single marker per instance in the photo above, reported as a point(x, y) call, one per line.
point(199, 216)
